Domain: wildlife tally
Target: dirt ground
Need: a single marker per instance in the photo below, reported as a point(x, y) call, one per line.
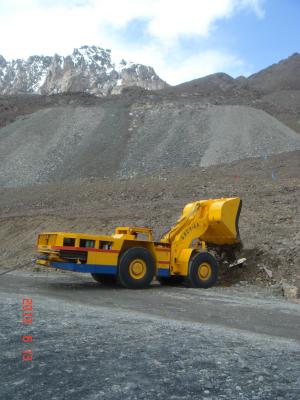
point(269, 222)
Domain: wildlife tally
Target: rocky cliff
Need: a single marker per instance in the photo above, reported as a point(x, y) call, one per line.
point(87, 69)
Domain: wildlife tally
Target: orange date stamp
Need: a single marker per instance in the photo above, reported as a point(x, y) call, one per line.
point(27, 315)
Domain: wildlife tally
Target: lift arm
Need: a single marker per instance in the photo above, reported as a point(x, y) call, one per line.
point(212, 221)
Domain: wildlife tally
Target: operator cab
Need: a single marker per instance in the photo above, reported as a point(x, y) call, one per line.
point(137, 233)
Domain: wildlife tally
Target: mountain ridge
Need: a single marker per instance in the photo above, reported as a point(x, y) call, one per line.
point(88, 69)
point(284, 75)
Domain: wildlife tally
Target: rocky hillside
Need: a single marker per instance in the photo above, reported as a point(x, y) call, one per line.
point(118, 139)
point(87, 69)
point(275, 90)
point(209, 121)
point(284, 75)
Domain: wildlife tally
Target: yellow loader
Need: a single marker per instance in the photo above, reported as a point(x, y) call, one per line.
point(206, 232)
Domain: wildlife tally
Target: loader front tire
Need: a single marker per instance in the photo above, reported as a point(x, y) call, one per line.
point(136, 268)
point(106, 280)
point(203, 270)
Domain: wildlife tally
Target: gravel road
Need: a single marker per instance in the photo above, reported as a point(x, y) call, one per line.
point(91, 342)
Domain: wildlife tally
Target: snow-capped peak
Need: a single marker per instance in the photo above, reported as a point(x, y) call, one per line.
point(88, 69)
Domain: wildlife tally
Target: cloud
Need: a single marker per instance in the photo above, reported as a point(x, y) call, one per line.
point(172, 20)
point(191, 67)
point(44, 27)
point(169, 19)
point(202, 64)
point(255, 5)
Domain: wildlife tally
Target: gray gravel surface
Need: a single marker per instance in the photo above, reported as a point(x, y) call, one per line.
point(85, 350)
point(169, 136)
point(71, 142)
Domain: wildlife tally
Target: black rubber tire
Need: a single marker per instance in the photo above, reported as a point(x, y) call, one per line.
point(107, 280)
point(124, 277)
point(171, 281)
point(193, 279)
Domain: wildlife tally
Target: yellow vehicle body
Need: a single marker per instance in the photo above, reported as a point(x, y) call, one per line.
point(133, 258)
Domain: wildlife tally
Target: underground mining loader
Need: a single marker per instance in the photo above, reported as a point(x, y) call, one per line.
point(206, 232)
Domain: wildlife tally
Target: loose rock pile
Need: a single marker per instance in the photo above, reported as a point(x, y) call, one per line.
point(71, 142)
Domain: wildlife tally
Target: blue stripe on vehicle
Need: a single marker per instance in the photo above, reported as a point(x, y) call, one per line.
point(163, 272)
point(90, 268)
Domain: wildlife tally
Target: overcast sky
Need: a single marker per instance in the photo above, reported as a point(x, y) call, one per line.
point(181, 39)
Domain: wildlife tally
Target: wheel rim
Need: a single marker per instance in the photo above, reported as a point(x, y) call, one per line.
point(204, 271)
point(137, 269)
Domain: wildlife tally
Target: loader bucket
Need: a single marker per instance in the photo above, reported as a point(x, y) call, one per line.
point(223, 219)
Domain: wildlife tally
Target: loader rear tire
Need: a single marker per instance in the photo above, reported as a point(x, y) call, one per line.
point(106, 280)
point(136, 268)
point(203, 270)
